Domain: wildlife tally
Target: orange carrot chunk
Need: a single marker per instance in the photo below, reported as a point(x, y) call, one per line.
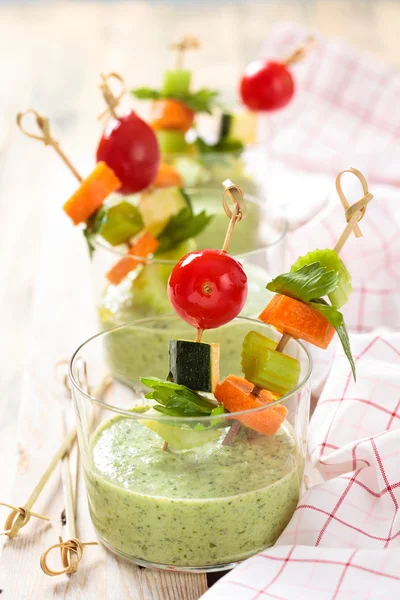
point(299, 320)
point(144, 245)
point(167, 176)
point(91, 193)
point(236, 394)
point(171, 114)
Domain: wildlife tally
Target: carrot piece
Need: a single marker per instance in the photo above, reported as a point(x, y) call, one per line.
point(144, 245)
point(299, 320)
point(171, 114)
point(91, 193)
point(236, 394)
point(167, 176)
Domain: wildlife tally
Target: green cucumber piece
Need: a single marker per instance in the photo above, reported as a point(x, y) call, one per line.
point(329, 259)
point(159, 205)
point(118, 223)
point(194, 364)
point(181, 438)
point(266, 368)
point(176, 82)
point(238, 127)
point(225, 126)
point(172, 142)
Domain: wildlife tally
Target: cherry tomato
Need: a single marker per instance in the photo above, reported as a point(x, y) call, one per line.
point(130, 148)
point(266, 85)
point(207, 288)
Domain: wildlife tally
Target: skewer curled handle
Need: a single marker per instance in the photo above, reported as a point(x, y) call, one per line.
point(239, 212)
point(235, 194)
point(112, 99)
point(71, 552)
point(353, 213)
point(43, 124)
point(18, 511)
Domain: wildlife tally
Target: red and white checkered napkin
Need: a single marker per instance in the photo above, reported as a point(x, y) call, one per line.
point(343, 541)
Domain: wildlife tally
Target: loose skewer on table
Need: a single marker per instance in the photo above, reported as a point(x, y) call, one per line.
point(21, 515)
point(71, 550)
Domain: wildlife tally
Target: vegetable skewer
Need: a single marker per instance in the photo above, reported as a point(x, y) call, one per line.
point(281, 311)
point(92, 191)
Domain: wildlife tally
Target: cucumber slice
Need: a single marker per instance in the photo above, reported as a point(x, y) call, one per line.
point(159, 205)
point(265, 367)
point(176, 82)
point(329, 259)
point(119, 223)
point(225, 125)
point(194, 365)
point(240, 126)
point(181, 438)
point(173, 142)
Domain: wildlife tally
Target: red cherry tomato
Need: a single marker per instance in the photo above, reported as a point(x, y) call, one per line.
point(207, 288)
point(266, 85)
point(130, 148)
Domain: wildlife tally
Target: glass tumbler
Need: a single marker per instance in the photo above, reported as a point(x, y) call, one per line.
point(206, 502)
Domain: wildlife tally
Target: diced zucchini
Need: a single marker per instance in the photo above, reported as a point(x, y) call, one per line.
point(240, 126)
point(118, 223)
point(159, 205)
point(265, 367)
point(176, 82)
point(194, 364)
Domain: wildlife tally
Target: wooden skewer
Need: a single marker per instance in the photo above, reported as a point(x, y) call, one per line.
point(181, 46)
point(71, 551)
point(353, 214)
point(111, 99)
point(20, 515)
point(238, 213)
point(43, 124)
point(300, 52)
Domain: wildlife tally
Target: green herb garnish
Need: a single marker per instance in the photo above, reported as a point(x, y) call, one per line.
point(181, 227)
point(335, 318)
point(88, 235)
point(177, 400)
point(308, 284)
point(201, 101)
point(311, 281)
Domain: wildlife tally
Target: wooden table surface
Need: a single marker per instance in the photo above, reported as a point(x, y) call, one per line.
point(51, 56)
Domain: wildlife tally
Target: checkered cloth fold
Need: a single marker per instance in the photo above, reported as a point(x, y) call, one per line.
point(343, 541)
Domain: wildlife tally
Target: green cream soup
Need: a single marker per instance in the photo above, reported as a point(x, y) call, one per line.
point(210, 505)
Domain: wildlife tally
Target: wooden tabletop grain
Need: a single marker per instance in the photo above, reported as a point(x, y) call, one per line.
point(50, 56)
